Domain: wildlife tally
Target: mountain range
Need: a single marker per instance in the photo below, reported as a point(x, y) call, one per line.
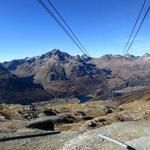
point(57, 74)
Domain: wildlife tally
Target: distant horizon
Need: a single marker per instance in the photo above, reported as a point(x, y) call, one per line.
point(72, 55)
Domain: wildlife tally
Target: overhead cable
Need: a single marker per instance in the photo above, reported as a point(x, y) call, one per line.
point(61, 25)
point(132, 31)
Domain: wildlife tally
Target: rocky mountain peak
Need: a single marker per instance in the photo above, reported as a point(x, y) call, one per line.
point(131, 57)
point(146, 55)
point(107, 57)
point(2, 69)
point(61, 74)
point(56, 52)
point(86, 57)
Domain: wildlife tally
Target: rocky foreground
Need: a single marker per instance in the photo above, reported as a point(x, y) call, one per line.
point(126, 120)
point(135, 134)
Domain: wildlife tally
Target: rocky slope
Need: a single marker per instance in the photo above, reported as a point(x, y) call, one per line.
point(19, 90)
point(79, 124)
point(135, 134)
point(63, 75)
point(130, 70)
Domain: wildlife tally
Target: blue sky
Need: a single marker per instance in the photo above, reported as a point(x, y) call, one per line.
point(103, 26)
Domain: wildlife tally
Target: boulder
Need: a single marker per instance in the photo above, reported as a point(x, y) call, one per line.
point(43, 124)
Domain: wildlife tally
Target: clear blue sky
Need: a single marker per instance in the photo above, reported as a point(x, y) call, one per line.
point(102, 25)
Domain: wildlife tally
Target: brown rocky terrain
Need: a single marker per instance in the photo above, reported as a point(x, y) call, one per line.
point(126, 120)
point(15, 89)
point(129, 70)
point(64, 76)
point(61, 74)
point(56, 89)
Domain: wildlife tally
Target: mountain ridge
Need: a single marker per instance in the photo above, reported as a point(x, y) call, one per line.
point(63, 75)
point(84, 56)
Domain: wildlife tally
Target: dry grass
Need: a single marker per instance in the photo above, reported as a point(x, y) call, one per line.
point(137, 105)
point(10, 110)
point(134, 109)
point(93, 108)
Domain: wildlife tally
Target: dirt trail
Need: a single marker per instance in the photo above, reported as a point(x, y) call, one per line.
point(132, 133)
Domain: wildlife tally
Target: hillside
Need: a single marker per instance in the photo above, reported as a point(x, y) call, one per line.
point(61, 74)
point(79, 123)
point(64, 76)
point(131, 70)
point(19, 90)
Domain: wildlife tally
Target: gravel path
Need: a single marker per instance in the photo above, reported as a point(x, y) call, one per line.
point(52, 142)
point(136, 134)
